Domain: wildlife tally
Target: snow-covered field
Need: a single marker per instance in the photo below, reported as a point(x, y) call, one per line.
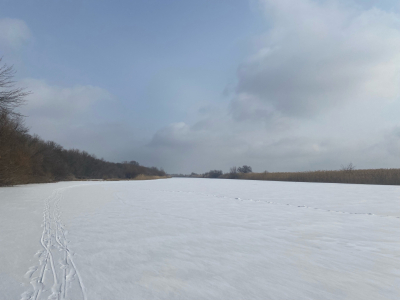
point(199, 239)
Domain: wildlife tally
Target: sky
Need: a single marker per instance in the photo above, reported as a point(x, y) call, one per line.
point(190, 86)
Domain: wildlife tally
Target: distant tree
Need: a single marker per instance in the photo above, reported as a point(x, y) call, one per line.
point(350, 167)
point(233, 173)
point(245, 169)
point(213, 174)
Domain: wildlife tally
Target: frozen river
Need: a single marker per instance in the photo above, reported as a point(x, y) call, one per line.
point(189, 239)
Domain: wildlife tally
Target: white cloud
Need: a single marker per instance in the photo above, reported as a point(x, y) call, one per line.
point(60, 103)
point(70, 116)
point(13, 33)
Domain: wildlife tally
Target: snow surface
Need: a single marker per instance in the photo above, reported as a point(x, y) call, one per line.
point(199, 239)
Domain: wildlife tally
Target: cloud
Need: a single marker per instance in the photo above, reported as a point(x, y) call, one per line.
point(84, 117)
point(72, 116)
point(60, 103)
point(185, 150)
point(318, 56)
point(316, 94)
point(392, 142)
point(13, 33)
point(173, 135)
point(319, 90)
point(249, 107)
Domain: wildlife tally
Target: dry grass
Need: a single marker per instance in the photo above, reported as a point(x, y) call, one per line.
point(371, 176)
point(139, 177)
point(148, 177)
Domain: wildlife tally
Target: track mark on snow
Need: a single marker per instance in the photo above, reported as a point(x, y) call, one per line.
point(276, 203)
point(57, 272)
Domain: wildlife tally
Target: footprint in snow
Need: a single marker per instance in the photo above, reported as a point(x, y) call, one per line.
point(30, 272)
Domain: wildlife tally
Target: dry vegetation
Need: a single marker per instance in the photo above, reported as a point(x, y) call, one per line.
point(371, 176)
point(347, 174)
point(140, 177)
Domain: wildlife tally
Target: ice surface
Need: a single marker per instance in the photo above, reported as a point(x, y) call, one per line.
point(200, 239)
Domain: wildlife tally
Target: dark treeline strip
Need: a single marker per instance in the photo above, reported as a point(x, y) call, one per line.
point(370, 176)
point(28, 159)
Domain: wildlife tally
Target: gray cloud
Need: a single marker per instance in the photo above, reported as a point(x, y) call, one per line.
point(69, 116)
point(175, 135)
point(318, 56)
point(60, 103)
point(392, 142)
point(264, 150)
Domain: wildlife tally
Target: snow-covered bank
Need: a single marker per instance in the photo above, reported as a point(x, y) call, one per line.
point(205, 239)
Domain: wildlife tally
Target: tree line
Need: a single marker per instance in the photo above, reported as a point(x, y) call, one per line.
point(234, 173)
point(26, 158)
point(346, 174)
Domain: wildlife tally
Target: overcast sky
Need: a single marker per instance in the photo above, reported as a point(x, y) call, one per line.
point(189, 86)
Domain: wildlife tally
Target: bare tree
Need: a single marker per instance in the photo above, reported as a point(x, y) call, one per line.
point(213, 174)
point(245, 169)
point(11, 97)
point(13, 154)
point(350, 167)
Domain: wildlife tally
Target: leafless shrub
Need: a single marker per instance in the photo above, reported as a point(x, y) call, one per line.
point(350, 167)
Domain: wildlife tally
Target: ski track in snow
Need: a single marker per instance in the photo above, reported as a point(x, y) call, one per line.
point(274, 203)
point(57, 271)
